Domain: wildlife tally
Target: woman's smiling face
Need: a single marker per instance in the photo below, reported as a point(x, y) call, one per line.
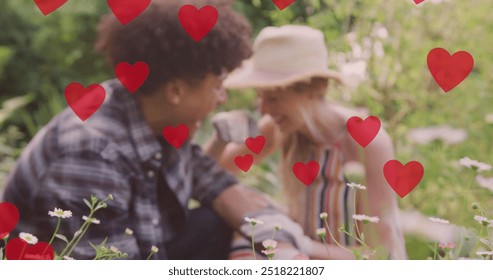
point(285, 105)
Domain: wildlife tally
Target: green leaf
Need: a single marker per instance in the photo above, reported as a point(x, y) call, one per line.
point(62, 237)
point(93, 246)
point(88, 203)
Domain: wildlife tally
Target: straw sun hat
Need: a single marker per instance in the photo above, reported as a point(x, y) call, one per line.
point(283, 56)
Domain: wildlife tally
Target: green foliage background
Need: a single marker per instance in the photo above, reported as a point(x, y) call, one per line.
point(40, 55)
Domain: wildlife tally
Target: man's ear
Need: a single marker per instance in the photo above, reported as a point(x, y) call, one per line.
point(173, 93)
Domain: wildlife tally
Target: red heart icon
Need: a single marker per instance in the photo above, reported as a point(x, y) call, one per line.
point(306, 173)
point(244, 162)
point(449, 71)
point(403, 178)
point(363, 131)
point(176, 136)
point(84, 102)
point(197, 22)
point(132, 77)
point(49, 6)
point(255, 144)
point(9, 217)
point(281, 4)
point(19, 249)
point(418, 1)
point(126, 10)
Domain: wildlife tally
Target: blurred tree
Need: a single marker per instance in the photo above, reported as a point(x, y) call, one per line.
point(40, 55)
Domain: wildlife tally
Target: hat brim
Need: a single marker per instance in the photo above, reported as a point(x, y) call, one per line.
point(247, 76)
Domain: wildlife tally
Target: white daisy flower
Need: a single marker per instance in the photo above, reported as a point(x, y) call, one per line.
point(484, 253)
point(29, 238)
point(114, 249)
point(269, 253)
point(445, 133)
point(129, 231)
point(482, 220)
point(324, 215)
point(438, 1)
point(269, 244)
point(486, 183)
point(356, 186)
point(438, 220)
point(59, 213)
point(474, 164)
point(253, 221)
point(68, 258)
point(365, 218)
point(486, 242)
point(92, 220)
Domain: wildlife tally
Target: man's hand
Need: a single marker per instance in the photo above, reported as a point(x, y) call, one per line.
point(234, 126)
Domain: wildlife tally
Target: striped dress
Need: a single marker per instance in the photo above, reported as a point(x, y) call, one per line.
point(330, 195)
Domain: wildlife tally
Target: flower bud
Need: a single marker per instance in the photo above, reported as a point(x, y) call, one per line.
point(321, 232)
point(154, 249)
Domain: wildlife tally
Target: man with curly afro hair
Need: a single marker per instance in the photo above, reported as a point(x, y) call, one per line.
point(120, 149)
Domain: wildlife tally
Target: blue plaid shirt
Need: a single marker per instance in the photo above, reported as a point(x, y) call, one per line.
point(112, 152)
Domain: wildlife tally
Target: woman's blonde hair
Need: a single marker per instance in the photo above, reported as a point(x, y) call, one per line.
point(297, 147)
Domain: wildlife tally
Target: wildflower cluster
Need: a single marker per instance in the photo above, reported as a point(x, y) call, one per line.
point(270, 246)
point(484, 247)
point(482, 244)
point(105, 253)
point(355, 233)
point(19, 248)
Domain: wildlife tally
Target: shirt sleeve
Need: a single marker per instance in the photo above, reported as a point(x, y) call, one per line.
point(66, 182)
point(209, 179)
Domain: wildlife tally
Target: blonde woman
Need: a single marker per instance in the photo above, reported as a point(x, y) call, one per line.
point(289, 72)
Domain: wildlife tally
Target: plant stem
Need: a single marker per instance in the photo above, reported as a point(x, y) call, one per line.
point(79, 237)
point(81, 230)
point(333, 239)
point(56, 230)
point(358, 234)
point(253, 243)
point(150, 255)
point(436, 249)
point(326, 247)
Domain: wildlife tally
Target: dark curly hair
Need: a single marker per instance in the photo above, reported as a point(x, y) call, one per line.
point(157, 38)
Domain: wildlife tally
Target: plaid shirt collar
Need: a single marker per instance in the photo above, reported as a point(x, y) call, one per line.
point(146, 143)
